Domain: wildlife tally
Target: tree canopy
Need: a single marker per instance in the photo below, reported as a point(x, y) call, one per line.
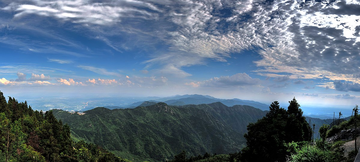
point(267, 138)
point(28, 135)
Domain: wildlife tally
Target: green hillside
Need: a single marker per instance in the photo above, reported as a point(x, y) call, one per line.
point(237, 117)
point(28, 135)
point(158, 132)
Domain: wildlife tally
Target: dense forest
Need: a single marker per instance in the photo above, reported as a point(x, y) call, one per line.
point(28, 135)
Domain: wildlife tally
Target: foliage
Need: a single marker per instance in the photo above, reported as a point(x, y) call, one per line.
point(159, 132)
point(28, 135)
point(321, 152)
point(267, 138)
point(205, 158)
point(311, 154)
point(323, 129)
point(346, 124)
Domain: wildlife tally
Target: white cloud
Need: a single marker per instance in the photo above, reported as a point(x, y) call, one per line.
point(42, 82)
point(5, 81)
point(83, 11)
point(40, 77)
point(306, 40)
point(93, 81)
point(100, 81)
point(107, 81)
point(69, 82)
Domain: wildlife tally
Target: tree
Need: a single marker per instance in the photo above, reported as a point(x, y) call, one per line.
point(180, 157)
point(5, 135)
point(323, 129)
point(355, 110)
point(297, 127)
point(19, 138)
point(266, 139)
point(3, 105)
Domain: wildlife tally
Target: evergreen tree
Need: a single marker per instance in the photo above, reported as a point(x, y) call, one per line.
point(267, 137)
point(28, 135)
point(323, 129)
point(3, 105)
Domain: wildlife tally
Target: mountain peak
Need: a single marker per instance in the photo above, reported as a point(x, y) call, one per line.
point(147, 103)
point(97, 110)
point(217, 104)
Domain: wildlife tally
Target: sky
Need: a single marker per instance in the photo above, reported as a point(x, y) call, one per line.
point(248, 49)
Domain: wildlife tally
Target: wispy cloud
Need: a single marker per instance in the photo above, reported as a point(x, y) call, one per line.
point(82, 11)
point(309, 40)
point(240, 79)
point(61, 61)
point(101, 71)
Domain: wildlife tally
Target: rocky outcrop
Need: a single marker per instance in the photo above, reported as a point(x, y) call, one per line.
point(344, 135)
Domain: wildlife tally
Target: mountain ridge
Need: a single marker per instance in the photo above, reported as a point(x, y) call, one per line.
point(196, 99)
point(151, 132)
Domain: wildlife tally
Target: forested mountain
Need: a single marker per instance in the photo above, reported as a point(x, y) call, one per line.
point(196, 99)
point(28, 135)
point(158, 132)
point(237, 117)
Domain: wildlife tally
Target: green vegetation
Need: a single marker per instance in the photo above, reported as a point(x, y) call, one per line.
point(267, 138)
point(347, 124)
point(321, 152)
point(285, 136)
point(159, 132)
point(28, 135)
point(205, 158)
point(282, 135)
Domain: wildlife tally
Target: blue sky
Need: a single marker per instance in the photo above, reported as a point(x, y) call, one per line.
point(248, 49)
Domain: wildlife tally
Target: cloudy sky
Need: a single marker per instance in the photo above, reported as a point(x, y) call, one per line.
point(248, 49)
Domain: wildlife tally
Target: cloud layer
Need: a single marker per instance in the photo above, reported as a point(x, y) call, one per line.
point(295, 40)
point(309, 37)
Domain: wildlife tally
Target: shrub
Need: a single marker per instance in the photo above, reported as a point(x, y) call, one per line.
point(311, 154)
point(335, 129)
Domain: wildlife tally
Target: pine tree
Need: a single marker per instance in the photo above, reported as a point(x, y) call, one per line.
point(267, 137)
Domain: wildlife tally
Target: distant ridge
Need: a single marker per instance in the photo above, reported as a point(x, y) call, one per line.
point(159, 131)
point(196, 99)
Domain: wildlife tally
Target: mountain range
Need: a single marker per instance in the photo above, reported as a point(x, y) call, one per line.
point(156, 131)
point(160, 131)
point(195, 99)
